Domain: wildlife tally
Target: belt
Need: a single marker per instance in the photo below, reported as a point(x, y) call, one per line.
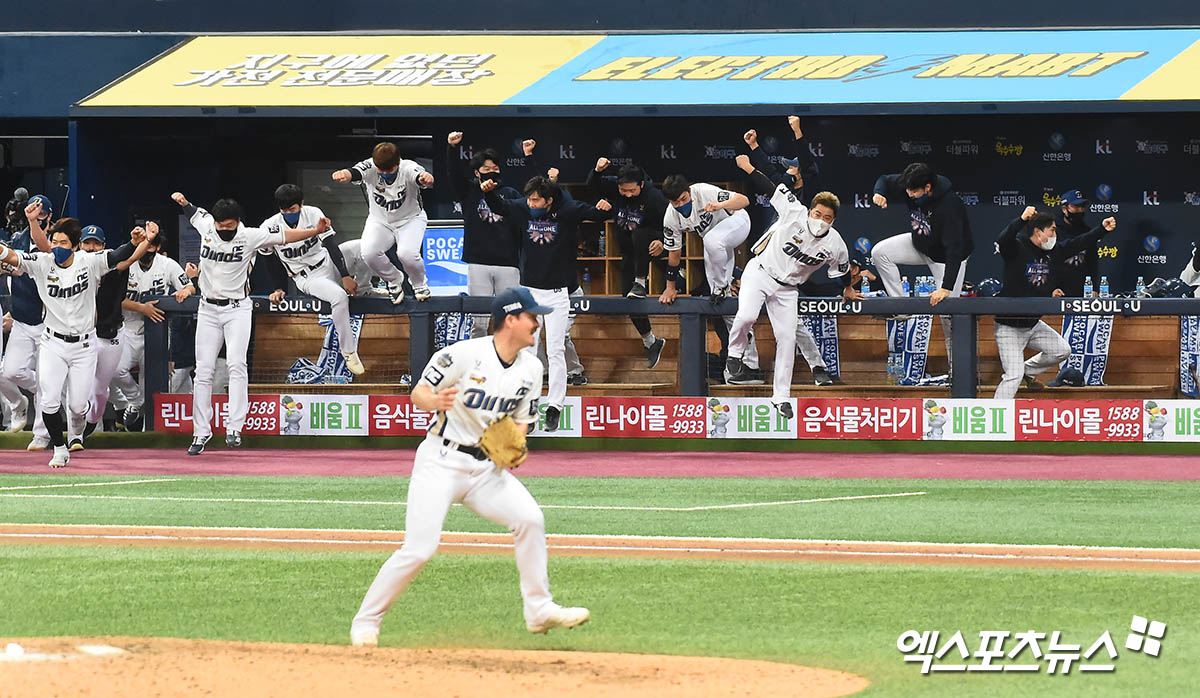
point(221, 301)
point(71, 338)
point(107, 332)
point(770, 275)
point(473, 451)
point(304, 272)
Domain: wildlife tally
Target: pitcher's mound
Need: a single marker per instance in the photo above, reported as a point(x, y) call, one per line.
point(167, 668)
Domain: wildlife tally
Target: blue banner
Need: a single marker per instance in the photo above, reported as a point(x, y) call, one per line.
point(1089, 337)
point(330, 366)
point(824, 329)
point(444, 266)
point(1189, 355)
point(908, 344)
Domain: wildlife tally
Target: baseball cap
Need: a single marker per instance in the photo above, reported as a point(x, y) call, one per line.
point(92, 232)
point(790, 162)
point(47, 208)
point(1074, 198)
point(516, 299)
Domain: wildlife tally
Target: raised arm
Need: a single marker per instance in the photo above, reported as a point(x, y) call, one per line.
point(32, 211)
point(1082, 242)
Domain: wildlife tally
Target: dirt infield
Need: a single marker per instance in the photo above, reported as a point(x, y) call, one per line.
point(170, 668)
point(883, 552)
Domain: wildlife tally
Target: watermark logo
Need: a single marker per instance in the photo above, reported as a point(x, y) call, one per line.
point(1145, 636)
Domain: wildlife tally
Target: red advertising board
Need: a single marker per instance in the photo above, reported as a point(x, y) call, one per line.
point(859, 418)
point(173, 414)
point(648, 417)
point(1079, 420)
point(395, 415)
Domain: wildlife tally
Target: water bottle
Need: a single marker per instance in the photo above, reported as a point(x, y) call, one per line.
point(891, 369)
point(905, 286)
point(1104, 287)
point(1087, 287)
point(603, 246)
point(1141, 285)
point(587, 283)
point(866, 286)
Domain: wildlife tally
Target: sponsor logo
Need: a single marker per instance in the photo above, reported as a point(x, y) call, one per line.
point(1191, 198)
point(863, 246)
point(1152, 147)
point(1107, 252)
point(719, 152)
point(618, 147)
point(1049, 198)
point(862, 150)
point(667, 152)
point(566, 152)
point(1057, 142)
point(969, 198)
point(1103, 146)
point(1009, 197)
point(770, 144)
point(862, 201)
point(1085, 306)
point(812, 306)
point(1005, 149)
point(962, 148)
point(1151, 243)
point(1150, 197)
point(1152, 259)
point(817, 149)
point(916, 147)
point(1192, 147)
point(297, 305)
point(1104, 192)
point(466, 152)
point(515, 162)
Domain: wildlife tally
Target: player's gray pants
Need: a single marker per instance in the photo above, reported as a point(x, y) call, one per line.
point(324, 283)
point(132, 350)
point(18, 371)
point(108, 359)
point(556, 325)
point(378, 236)
point(488, 280)
point(442, 476)
point(758, 289)
point(214, 324)
point(899, 249)
point(1011, 343)
point(574, 365)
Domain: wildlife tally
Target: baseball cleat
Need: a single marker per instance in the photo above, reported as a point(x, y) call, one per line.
point(38, 444)
point(61, 457)
point(90, 429)
point(19, 416)
point(785, 409)
point(577, 379)
point(197, 446)
point(364, 637)
point(553, 414)
point(569, 617)
point(233, 439)
point(821, 376)
point(396, 291)
point(1033, 383)
point(354, 363)
point(654, 352)
point(130, 417)
point(718, 296)
point(422, 293)
point(75, 445)
point(637, 290)
point(737, 373)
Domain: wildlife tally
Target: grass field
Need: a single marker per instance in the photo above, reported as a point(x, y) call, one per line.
point(842, 616)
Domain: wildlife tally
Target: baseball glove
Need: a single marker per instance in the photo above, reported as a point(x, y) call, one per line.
point(504, 443)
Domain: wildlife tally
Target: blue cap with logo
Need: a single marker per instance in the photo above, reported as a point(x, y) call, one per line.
point(790, 162)
point(517, 299)
point(47, 208)
point(1074, 198)
point(92, 232)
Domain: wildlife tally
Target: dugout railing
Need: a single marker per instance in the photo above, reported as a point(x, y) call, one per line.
point(693, 314)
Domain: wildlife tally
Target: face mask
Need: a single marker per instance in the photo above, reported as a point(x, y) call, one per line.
point(490, 177)
point(226, 235)
point(1048, 243)
point(537, 212)
point(291, 218)
point(685, 210)
point(817, 227)
point(388, 178)
point(1075, 218)
point(62, 254)
point(919, 200)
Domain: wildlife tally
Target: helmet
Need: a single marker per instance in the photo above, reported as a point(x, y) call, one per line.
point(1167, 288)
point(988, 288)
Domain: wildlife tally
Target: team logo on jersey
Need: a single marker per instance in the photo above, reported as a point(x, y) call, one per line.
point(1037, 272)
point(80, 285)
point(629, 219)
point(920, 222)
point(301, 249)
point(445, 361)
point(382, 202)
point(237, 254)
point(486, 214)
point(543, 232)
point(1076, 260)
point(479, 379)
point(477, 399)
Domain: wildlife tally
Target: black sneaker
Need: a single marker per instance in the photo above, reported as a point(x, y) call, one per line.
point(89, 429)
point(821, 376)
point(75, 445)
point(736, 372)
point(577, 379)
point(233, 439)
point(785, 409)
point(552, 416)
point(654, 352)
point(197, 446)
point(637, 290)
point(717, 296)
point(1033, 383)
point(754, 376)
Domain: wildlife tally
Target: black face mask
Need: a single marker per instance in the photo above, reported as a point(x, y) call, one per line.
point(226, 235)
point(1075, 218)
point(490, 177)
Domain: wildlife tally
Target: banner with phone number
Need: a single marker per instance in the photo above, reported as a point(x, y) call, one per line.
point(903, 419)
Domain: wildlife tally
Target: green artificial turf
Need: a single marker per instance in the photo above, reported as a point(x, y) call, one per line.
point(844, 617)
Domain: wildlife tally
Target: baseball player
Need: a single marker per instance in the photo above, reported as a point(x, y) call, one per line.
point(109, 321)
point(549, 226)
point(395, 215)
point(470, 385)
point(155, 274)
point(363, 275)
point(226, 256)
point(316, 266)
point(19, 369)
point(68, 281)
point(800, 242)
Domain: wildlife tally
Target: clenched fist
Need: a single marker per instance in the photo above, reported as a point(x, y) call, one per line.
point(454, 137)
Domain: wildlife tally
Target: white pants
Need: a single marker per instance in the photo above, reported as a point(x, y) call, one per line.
point(758, 288)
point(807, 344)
point(324, 283)
point(378, 236)
point(720, 243)
point(18, 371)
point(181, 381)
point(133, 346)
point(216, 324)
point(442, 476)
point(108, 359)
point(556, 324)
point(488, 280)
point(1011, 343)
point(71, 365)
point(899, 249)
point(570, 355)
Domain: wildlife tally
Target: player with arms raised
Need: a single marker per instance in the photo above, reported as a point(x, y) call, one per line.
point(473, 386)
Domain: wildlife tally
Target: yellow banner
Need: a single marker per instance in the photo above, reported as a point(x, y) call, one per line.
point(302, 71)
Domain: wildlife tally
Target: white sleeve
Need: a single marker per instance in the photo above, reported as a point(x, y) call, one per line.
point(319, 215)
point(784, 200)
point(98, 261)
point(412, 171)
point(176, 277)
point(840, 264)
point(443, 370)
point(32, 263)
point(1190, 275)
point(672, 240)
point(202, 220)
point(527, 409)
point(260, 238)
point(366, 168)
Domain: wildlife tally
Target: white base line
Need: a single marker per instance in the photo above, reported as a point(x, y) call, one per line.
point(580, 507)
point(88, 484)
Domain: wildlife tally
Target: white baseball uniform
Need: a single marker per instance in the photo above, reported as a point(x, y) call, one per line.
point(308, 264)
point(164, 276)
point(395, 214)
point(224, 316)
point(443, 474)
point(791, 251)
point(68, 353)
point(18, 370)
